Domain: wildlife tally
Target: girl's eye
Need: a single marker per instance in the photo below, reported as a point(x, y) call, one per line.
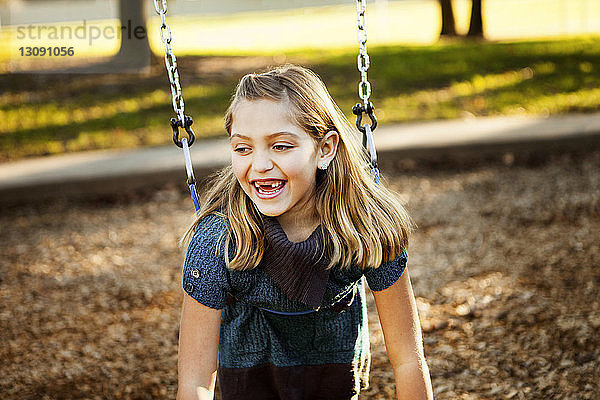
point(241, 149)
point(282, 147)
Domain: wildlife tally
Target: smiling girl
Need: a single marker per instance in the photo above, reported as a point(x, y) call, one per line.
point(278, 257)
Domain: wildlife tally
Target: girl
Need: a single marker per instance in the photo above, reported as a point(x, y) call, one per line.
point(273, 275)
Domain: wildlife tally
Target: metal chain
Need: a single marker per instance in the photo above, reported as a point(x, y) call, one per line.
point(178, 106)
point(170, 60)
point(364, 90)
point(363, 62)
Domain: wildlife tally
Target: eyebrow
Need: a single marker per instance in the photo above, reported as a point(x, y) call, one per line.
point(272, 135)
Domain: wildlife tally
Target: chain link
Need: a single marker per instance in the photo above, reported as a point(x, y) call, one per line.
point(363, 62)
point(170, 60)
point(160, 6)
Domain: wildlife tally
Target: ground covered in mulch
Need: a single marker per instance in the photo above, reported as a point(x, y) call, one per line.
point(504, 266)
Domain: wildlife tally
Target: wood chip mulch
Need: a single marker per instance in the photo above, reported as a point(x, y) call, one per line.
point(505, 267)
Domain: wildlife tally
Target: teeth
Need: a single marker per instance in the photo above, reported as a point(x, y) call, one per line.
point(268, 186)
point(273, 185)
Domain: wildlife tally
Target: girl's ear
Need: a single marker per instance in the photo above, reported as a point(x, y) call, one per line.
point(328, 149)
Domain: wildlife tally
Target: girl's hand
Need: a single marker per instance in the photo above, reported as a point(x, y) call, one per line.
point(402, 333)
point(198, 349)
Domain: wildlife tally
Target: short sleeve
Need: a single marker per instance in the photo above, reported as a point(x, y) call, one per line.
point(387, 273)
point(204, 272)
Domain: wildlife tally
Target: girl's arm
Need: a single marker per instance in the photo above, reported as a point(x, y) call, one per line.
point(198, 349)
point(402, 333)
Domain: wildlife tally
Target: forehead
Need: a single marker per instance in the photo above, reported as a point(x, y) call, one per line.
point(261, 118)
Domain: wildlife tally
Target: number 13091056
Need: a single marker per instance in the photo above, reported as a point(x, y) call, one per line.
point(47, 51)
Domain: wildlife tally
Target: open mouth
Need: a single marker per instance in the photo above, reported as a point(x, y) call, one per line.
point(268, 189)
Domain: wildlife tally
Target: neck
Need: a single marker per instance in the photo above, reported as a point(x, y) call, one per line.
point(299, 226)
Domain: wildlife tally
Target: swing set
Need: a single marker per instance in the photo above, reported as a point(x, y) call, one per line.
point(185, 122)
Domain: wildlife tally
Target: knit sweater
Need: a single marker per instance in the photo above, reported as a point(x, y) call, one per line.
point(252, 336)
point(298, 269)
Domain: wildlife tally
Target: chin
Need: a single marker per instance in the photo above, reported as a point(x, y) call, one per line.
point(269, 211)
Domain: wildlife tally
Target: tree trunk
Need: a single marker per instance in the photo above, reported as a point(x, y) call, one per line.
point(135, 49)
point(448, 24)
point(476, 24)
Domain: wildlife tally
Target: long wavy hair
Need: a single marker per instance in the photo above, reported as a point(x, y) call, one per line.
point(363, 222)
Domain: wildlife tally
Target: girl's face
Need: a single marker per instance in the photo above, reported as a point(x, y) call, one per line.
point(274, 160)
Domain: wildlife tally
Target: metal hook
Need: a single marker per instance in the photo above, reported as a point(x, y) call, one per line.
point(176, 124)
point(358, 110)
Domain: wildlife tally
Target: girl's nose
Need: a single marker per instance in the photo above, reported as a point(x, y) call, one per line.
point(261, 162)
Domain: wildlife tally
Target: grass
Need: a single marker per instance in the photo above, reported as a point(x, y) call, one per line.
point(49, 114)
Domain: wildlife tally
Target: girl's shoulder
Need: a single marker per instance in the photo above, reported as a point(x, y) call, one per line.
point(213, 221)
point(210, 229)
point(204, 275)
point(209, 237)
point(387, 273)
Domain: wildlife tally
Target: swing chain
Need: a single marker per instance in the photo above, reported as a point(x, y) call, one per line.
point(182, 121)
point(363, 62)
point(364, 90)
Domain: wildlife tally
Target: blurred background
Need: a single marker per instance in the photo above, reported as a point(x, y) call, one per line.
point(505, 259)
point(416, 76)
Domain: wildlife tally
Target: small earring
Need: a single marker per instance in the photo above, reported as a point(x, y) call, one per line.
point(323, 166)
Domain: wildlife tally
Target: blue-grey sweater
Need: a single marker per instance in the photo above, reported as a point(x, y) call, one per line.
point(252, 336)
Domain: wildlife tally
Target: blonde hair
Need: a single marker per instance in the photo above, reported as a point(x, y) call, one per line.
point(363, 222)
